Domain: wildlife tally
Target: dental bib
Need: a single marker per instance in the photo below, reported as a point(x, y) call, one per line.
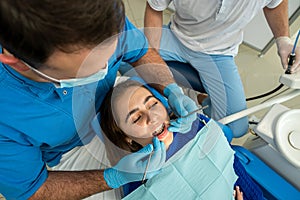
point(202, 169)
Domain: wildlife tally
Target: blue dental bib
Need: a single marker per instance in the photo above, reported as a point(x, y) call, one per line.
point(202, 169)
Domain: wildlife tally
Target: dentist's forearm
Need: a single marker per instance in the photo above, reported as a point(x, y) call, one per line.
point(154, 70)
point(71, 185)
point(153, 22)
point(277, 19)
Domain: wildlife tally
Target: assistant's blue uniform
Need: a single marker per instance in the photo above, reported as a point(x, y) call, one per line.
point(39, 122)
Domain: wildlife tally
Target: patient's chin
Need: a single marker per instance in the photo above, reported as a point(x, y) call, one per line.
point(168, 139)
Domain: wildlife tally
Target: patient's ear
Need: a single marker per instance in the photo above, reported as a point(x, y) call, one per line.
point(128, 140)
point(12, 61)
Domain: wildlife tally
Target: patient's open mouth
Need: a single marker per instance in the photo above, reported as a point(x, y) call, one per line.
point(159, 130)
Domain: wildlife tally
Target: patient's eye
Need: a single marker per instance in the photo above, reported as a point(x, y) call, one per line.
point(136, 119)
point(154, 104)
point(151, 104)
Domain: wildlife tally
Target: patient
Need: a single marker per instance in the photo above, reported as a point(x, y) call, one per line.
point(135, 113)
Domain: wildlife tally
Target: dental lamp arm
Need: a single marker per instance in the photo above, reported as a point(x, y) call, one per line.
point(243, 113)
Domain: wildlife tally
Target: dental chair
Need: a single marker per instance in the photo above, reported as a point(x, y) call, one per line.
point(273, 185)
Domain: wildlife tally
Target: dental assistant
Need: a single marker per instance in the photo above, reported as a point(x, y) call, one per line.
point(59, 59)
point(207, 34)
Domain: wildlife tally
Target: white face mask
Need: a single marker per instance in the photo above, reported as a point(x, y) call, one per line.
point(74, 81)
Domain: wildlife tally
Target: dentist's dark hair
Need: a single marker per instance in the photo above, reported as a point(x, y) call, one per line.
point(33, 29)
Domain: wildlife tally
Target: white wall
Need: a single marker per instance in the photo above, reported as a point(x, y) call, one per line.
point(257, 33)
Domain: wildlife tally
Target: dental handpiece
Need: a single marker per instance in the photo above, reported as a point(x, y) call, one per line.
point(195, 111)
point(292, 56)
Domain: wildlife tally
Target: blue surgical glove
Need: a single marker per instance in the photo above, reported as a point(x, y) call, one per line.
point(181, 106)
point(132, 167)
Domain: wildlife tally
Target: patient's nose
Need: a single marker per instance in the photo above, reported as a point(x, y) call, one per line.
point(152, 118)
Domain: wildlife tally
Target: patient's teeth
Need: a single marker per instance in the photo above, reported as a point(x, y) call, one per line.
point(159, 130)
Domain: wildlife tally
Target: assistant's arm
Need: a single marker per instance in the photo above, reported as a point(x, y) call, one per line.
point(71, 185)
point(153, 22)
point(154, 70)
point(278, 21)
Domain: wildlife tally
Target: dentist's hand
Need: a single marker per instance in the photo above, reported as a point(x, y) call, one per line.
point(284, 47)
point(132, 167)
point(181, 106)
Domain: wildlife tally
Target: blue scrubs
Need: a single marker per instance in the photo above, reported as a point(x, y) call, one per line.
point(219, 76)
point(39, 122)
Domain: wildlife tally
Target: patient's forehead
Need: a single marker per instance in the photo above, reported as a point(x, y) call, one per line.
point(130, 95)
point(126, 99)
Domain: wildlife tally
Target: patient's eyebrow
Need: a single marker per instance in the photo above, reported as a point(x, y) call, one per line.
point(148, 98)
point(136, 109)
point(130, 113)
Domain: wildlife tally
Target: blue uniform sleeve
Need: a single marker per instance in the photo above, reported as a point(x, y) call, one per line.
point(22, 170)
point(227, 131)
point(133, 43)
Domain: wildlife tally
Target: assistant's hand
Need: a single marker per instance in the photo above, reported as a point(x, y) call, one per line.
point(284, 47)
point(132, 167)
point(181, 106)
